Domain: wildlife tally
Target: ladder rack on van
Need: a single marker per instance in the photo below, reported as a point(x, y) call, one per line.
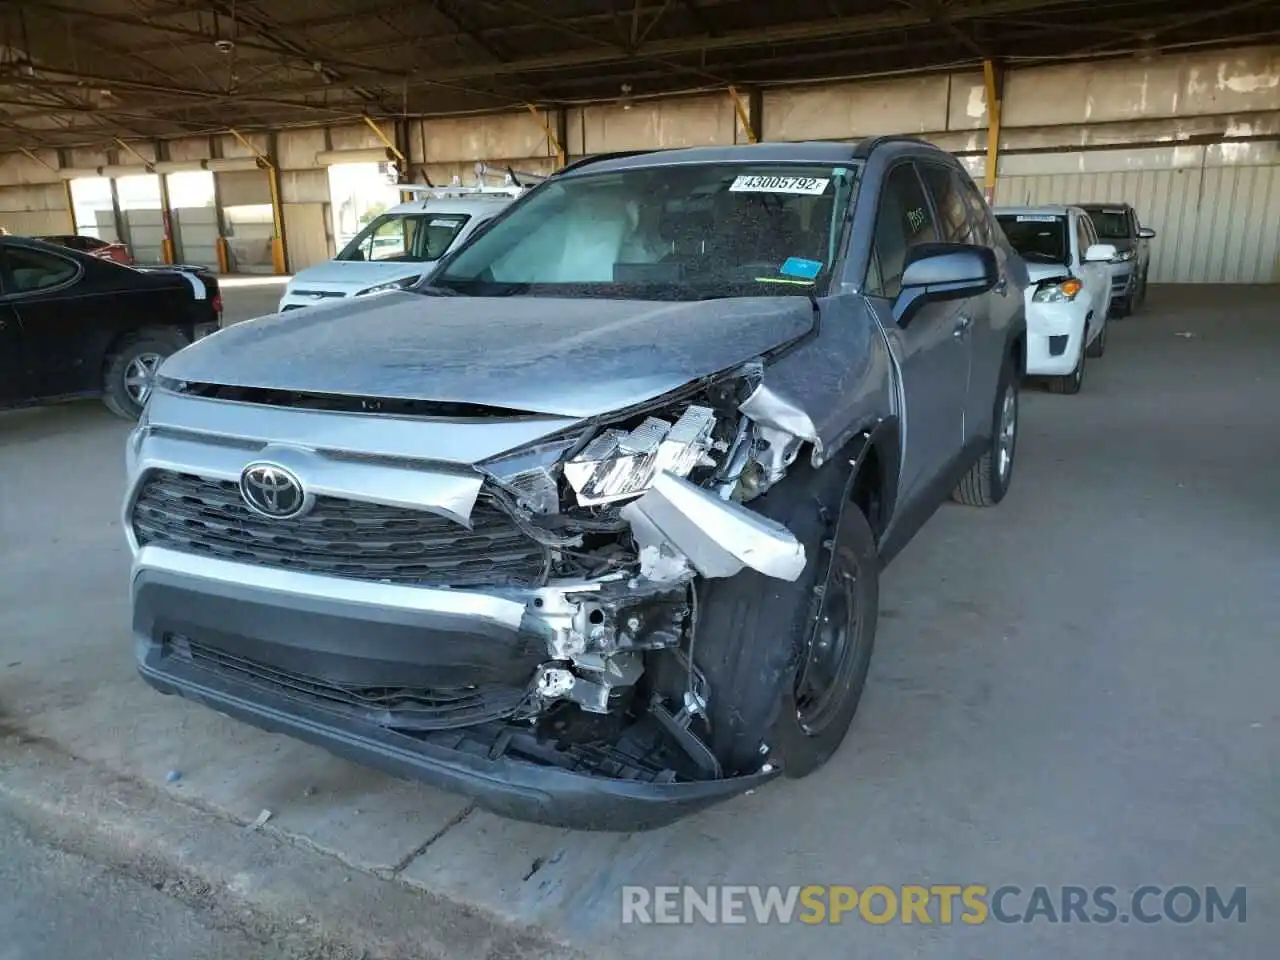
point(514, 183)
point(457, 190)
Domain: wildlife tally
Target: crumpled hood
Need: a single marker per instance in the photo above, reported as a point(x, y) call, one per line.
point(561, 357)
point(351, 276)
point(1046, 271)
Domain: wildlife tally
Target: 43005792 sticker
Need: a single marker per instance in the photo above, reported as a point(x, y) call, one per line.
point(759, 183)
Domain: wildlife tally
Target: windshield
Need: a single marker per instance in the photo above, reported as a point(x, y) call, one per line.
point(684, 232)
point(1110, 224)
point(1038, 237)
point(412, 237)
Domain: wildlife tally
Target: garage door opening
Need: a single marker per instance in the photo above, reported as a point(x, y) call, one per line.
point(143, 216)
point(359, 192)
point(91, 205)
point(194, 216)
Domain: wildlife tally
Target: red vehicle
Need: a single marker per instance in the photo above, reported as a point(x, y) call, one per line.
point(94, 247)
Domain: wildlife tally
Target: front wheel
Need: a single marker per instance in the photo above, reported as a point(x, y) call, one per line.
point(1073, 381)
point(1139, 297)
point(1099, 345)
point(988, 480)
point(786, 663)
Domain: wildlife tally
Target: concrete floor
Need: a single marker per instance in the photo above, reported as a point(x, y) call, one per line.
point(246, 297)
point(56, 902)
point(1077, 688)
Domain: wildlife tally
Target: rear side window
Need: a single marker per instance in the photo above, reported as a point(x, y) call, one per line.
point(985, 232)
point(953, 213)
point(30, 270)
point(1089, 232)
point(903, 221)
point(1082, 236)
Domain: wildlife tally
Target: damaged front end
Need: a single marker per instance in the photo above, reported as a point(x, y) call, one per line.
point(536, 657)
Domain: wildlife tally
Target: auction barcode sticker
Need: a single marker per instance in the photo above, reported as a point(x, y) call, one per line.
point(1037, 218)
point(762, 184)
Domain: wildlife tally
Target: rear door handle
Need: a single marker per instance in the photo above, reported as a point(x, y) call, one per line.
point(963, 323)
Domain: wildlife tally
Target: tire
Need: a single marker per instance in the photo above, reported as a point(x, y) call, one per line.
point(759, 639)
point(1099, 345)
point(1073, 381)
point(988, 480)
point(120, 389)
point(1139, 298)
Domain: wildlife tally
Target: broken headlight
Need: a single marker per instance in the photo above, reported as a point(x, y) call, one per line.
point(618, 464)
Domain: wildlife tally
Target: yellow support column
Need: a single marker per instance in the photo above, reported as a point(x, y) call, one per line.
point(401, 160)
point(279, 259)
point(224, 255)
point(552, 140)
point(71, 204)
point(167, 253)
point(994, 82)
point(279, 254)
point(744, 115)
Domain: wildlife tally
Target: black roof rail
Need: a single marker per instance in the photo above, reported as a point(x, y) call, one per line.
point(597, 158)
point(863, 148)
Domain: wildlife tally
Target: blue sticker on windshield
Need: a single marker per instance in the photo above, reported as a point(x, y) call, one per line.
point(797, 267)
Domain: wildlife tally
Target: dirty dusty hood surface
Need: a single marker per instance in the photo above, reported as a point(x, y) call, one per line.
point(562, 357)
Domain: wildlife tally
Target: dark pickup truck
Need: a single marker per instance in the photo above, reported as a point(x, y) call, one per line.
point(75, 325)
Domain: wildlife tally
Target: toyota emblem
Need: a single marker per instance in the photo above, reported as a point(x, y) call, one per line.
point(272, 491)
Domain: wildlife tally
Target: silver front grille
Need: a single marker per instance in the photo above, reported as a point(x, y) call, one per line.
point(342, 538)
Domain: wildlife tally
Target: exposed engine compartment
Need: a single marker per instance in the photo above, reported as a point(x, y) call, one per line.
point(640, 508)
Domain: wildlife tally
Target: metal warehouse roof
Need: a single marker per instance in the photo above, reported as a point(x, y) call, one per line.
point(83, 71)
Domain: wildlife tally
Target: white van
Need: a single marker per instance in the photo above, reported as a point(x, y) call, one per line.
point(397, 248)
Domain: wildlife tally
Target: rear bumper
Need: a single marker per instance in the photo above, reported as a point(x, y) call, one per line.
point(380, 634)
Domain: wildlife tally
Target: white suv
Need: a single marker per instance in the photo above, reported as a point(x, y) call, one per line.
point(398, 247)
point(1070, 290)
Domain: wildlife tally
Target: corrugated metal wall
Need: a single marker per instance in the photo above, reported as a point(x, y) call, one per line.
point(1213, 224)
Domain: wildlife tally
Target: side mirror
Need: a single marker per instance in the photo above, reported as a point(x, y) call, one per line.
point(1100, 253)
point(1146, 233)
point(944, 271)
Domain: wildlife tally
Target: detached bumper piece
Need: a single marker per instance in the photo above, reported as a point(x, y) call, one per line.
point(622, 786)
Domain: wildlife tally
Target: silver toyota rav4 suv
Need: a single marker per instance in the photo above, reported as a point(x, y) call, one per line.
point(589, 524)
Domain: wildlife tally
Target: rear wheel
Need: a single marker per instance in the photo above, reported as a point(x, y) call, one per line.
point(786, 663)
point(131, 369)
point(988, 480)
